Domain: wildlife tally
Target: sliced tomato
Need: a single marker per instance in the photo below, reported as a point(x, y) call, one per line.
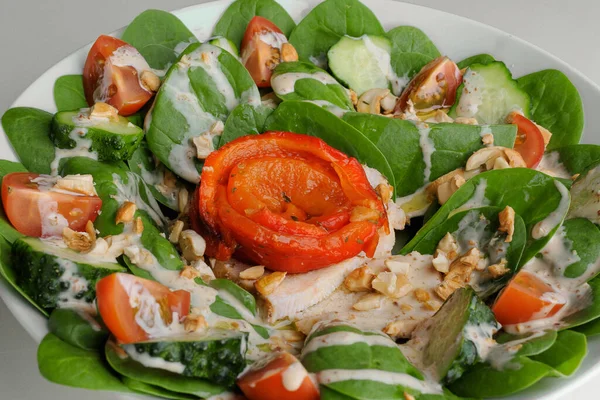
point(119, 297)
point(43, 213)
point(283, 377)
point(260, 49)
point(434, 87)
point(112, 81)
point(526, 298)
point(530, 141)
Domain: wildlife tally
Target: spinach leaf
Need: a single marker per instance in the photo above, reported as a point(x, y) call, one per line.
point(555, 105)
point(77, 329)
point(400, 143)
point(28, 130)
point(590, 313)
point(530, 344)
point(532, 194)
point(68, 93)
point(6, 229)
point(566, 354)
point(591, 328)
point(224, 309)
point(196, 94)
point(486, 381)
point(585, 238)
point(141, 387)
point(468, 225)
point(159, 36)
point(65, 364)
point(310, 119)
point(239, 294)
point(411, 50)
point(577, 158)
point(244, 120)
point(327, 23)
point(137, 271)
point(7, 271)
point(235, 19)
point(305, 81)
point(476, 59)
point(164, 379)
point(163, 184)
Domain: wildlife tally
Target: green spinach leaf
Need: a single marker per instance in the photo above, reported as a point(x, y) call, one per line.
point(239, 294)
point(245, 120)
point(310, 119)
point(164, 379)
point(68, 93)
point(476, 59)
point(411, 50)
point(159, 36)
point(529, 344)
point(584, 236)
point(327, 23)
point(577, 158)
point(65, 364)
point(28, 132)
point(555, 105)
point(566, 354)
point(588, 314)
point(400, 142)
point(77, 329)
point(141, 387)
point(224, 309)
point(235, 19)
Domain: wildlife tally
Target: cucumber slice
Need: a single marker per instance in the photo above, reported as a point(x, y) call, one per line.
point(218, 355)
point(113, 140)
point(55, 276)
point(362, 63)
point(458, 334)
point(488, 94)
point(225, 44)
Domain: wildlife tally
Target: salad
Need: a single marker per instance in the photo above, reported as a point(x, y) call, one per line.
point(334, 211)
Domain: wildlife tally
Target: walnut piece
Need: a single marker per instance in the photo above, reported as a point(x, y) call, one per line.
point(359, 280)
point(288, 53)
point(402, 328)
point(176, 230)
point(498, 270)
point(150, 81)
point(125, 213)
point(507, 223)
point(268, 283)
point(253, 272)
point(369, 301)
point(194, 322)
point(392, 285)
point(192, 245)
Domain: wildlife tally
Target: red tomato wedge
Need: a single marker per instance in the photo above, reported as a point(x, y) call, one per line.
point(434, 87)
point(530, 141)
point(115, 80)
point(44, 213)
point(287, 201)
point(116, 293)
point(526, 298)
point(260, 49)
point(283, 377)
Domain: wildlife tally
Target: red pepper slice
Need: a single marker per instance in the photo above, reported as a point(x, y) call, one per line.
point(287, 201)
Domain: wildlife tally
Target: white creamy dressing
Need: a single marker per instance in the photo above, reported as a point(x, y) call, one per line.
point(273, 39)
point(415, 204)
point(346, 338)
point(427, 147)
point(53, 222)
point(552, 166)
point(319, 60)
point(283, 84)
point(131, 191)
point(389, 378)
point(332, 108)
point(81, 149)
point(500, 355)
point(293, 376)
point(477, 200)
point(545, 226)
point(472, 95)
point(124, 56)
point(384, 62)
point(153, 362)
point(156, 178)
point(76, 284)
point(481, 335)
point(210, 64)
point(559, 252)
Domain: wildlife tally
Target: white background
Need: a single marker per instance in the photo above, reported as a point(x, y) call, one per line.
point(34, 35)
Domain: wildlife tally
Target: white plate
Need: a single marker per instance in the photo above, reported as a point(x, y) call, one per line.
point(454, 36)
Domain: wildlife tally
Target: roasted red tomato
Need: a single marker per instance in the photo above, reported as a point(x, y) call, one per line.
point(112, 74)
point(526, 298)
point(287, 201)
point(121, 296)
point(37, 210)
point(283, 377)
point(434, 87)
point(530, 141)
point(262, 49)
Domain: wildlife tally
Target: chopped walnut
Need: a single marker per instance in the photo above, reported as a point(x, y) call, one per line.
point(189, 272)
point(182, 199)
point(487, 139)
point(465, 121)
point(206, 273)
point(507, 223)
point(402, 328)
point(353, 97)
point(392, 285)
point(176, 230)
point(405, 307)
point(193, 323)
point(268, 283)
point(125, 213)
point(498, 270)
point(439, 116)
point(458, 276)
point(445, 186)
point(488, 158)
point(82, 184)
point(369, 301)
point(397, 267)
point(432, 305)
point(192, 245)
point(384, 191)
point(359, 280)
point(448, 245)
point(138, 226)
point(82, 242)
point(422, 295)
point(408, 396)
point(150, 81)
point(288, 53)
point(293, 336)
point(103, 110)
point(253, 272)
point(376, 101)
point(440, 262)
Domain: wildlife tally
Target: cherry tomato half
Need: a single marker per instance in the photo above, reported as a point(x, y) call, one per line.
point(35, 212)
point(115, 80)
point(260, 49)
point(530, 141)
point(116, 293)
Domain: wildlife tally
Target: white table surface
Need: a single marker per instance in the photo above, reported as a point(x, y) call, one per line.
point(35, 34)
